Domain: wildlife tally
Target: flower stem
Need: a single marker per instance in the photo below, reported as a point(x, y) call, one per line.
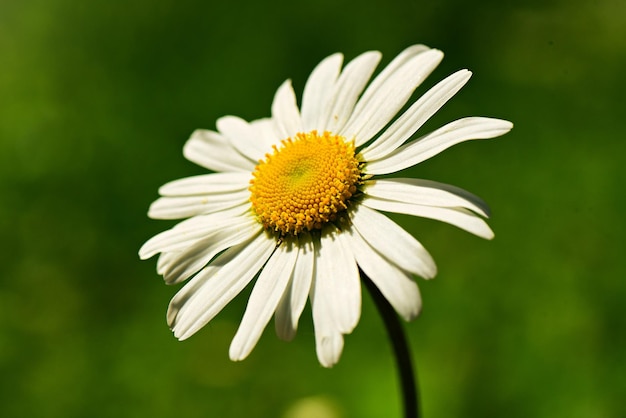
point(395, 331)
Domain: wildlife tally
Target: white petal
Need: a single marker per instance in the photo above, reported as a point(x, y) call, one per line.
point(339, 276)
point(348, 284)
point(384, 98)
point(187, 206)
point(432, 144)
point(188, 232)
point(190, 260)
point(207, 184)
point(165, 260)
point(396, 285)
point(172, 238)
point(399, 61)
point(328, 339)
point(283, 323)
point(458, 217)
point(351, 82)
point(242, 136)
point(413, 119)
point(215, 286)
point(266, 133)
point(285, 112)
point(211, 150)
point(328, 348)
point(317, 91)
point(268, 289)
point(293, 301)
point(393, 242)
point(426, 193)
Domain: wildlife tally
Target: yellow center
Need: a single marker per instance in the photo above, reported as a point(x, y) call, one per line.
point(305, 183)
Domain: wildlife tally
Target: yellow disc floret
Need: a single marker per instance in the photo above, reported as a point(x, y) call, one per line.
point(305, 182)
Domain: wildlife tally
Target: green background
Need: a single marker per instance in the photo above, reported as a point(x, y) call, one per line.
point(96, 101)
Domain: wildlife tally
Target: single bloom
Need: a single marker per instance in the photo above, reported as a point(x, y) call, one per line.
point(295, 201)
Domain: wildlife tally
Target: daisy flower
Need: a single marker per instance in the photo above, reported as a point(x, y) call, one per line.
point(295, 202)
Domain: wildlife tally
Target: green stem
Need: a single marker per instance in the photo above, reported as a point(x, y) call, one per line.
point(400, 348)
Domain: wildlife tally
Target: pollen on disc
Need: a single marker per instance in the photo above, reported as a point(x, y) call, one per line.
point(305, 182)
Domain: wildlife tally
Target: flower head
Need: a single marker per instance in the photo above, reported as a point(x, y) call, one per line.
point(295, 200)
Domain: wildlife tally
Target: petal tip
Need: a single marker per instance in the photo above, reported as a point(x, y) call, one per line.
point(430, 273)
point(145, 253)
point(235, 353)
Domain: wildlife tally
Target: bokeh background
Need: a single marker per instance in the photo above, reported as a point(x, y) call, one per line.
point(96, 101)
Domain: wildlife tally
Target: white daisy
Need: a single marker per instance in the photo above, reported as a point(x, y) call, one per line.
point(295, 202)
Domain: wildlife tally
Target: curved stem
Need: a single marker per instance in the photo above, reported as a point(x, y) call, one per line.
point(395, 331)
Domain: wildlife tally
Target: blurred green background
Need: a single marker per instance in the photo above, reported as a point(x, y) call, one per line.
point(96, 101)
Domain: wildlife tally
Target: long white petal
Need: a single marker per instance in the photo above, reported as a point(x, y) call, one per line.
point(242, 136)
point(165, 260)
point(215, 286)
point(432, 144)
point(458, 217)
point(189, 231)
point(393, 242)
point(207, 184)
point(267, 136)
point(179, 236)
point(337, 280)
point(388, 72)
point(396, 285)
point(283, 323)
point(328, 338)
point(413, 119)
point(384, 101)
point(190, 260)
point(339, 267)
point(268, 289)
point(187, 206)
point(317, 91)
point(285, 112)
point(211, 150)
point(294, 299)
point(425, 193)
point(351, 83)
